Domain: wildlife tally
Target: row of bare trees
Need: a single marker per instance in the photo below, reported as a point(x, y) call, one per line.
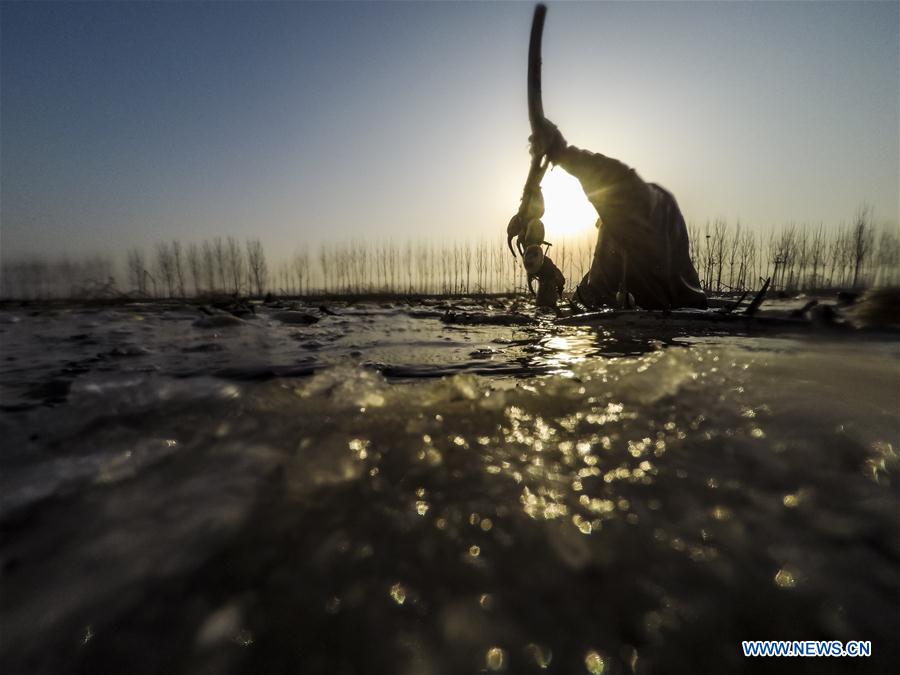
point(728, 258)
point(170, 270)
point(214, 266)
point(34, 277)
point(413, 267)
point(796, 257)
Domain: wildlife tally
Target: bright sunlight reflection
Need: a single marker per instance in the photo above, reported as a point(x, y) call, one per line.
point(567, 209)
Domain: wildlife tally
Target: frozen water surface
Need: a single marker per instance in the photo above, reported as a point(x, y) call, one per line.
point(378, 492)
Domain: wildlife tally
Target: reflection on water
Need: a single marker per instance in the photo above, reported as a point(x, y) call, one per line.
point(610, 509)
point(556, 351)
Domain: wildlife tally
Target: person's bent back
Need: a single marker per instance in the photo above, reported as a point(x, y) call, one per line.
point(642, 247)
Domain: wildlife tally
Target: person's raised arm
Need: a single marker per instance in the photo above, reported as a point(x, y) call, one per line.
point(600, 176)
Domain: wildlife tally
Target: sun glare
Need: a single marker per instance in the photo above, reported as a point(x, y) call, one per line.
point(567, 211)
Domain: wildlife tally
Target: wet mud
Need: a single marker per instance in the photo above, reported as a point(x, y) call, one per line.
point(383, 491)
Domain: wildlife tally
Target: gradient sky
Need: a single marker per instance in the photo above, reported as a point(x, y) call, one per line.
point(127, 123)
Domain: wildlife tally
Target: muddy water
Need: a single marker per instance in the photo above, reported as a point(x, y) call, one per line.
point(378, 492)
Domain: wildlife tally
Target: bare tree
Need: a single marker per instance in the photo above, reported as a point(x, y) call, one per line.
point(256, 263)
point(733, 247)
point(708, 257)
point(802, 255)
point(784, 257)
point(220, 256)
point(863, 237)
point(408, 264)
point(178, 266)
point(195, 266)
point(422, 267)
point(165, 267)
point(720, 233)
point(234, 259)
point(747, 255)
point(302, 270)
point(323, 263)
point(694, 245)
point(208, 260)
point(816, 257)
point(136, 264)
point(888, 257)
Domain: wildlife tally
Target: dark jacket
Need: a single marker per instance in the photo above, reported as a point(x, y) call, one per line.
point(643, 237)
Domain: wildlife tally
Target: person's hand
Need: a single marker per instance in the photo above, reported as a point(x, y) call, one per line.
point(547, 140)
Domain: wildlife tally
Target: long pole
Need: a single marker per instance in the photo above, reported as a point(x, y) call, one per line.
point(535, 116)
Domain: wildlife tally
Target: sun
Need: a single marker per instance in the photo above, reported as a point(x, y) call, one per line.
point(567, 211)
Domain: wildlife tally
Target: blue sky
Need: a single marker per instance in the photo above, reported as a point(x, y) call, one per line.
point(126, 123)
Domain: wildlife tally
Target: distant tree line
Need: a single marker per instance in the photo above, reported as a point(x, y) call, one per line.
point(727, 258)
point(214, 266)
point(798, 257)
point(64, 277)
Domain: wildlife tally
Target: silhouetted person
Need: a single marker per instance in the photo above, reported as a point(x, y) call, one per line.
point(642, 251)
